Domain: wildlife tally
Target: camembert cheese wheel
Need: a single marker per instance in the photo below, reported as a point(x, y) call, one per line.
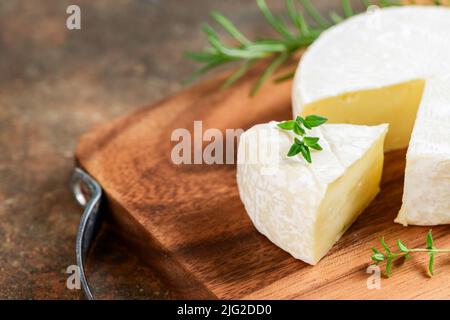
point(390, 66)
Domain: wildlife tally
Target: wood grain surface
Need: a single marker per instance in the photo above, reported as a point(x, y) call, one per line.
point(189, 224)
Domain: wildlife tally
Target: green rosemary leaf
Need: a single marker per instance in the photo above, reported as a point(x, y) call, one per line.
point(235, 53)
point(219, 54)
point(346, 7)
point(231, 53)
point(230, 28)
point(285, 77)
point(402, 246)
point(287, 125)
point(315, 121)
point(269, 71)
point(304, 27)
point(389, 3)
point(394, 3)
point(276, 23)
point(293, 14)
point(366, 3)
point(212, 36)
point(238, 74)
point(203, 69)
point(336, 18)
point(201, 56)
point(375, 250)
point(321, 21)
point(266, 47)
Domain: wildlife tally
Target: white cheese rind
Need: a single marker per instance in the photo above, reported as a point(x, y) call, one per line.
point(391, 46)
point(291, 204)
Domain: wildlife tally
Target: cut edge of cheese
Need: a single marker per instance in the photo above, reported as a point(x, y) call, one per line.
point(361, 184)
point(373, 107)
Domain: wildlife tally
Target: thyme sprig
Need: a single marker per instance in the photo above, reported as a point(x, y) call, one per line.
point(293, 36)
point(302, 143)
point(404, 252)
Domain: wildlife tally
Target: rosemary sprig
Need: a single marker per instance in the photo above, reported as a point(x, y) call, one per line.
point(302, 144)
point(404, 252)
point(296, 35)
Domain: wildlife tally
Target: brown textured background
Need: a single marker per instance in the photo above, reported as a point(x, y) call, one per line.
point(56, 84)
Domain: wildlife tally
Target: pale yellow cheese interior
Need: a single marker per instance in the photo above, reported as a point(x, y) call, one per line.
point(347, 197)
point(396, 105)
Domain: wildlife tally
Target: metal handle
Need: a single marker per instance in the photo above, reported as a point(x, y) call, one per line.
point(90, 220)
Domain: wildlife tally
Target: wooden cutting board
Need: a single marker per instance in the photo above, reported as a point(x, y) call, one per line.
point(188, 222)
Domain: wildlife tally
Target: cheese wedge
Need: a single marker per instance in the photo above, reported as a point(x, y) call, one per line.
point(390, 66)
point(305, 208)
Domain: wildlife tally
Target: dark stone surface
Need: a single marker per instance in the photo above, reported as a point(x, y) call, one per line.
point(56, 84)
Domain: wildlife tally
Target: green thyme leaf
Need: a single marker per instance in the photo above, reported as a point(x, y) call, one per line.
point(306, 153)
point(302, 143)
point(309, 141)
point(294, 150)
point(378, 257)
point(431, 264)
point(389, 267)
point(298, 129)
point(384, 245)
point(302, 121)
point(315, 121)
point(312, 143)
point(430, 240)
point(406, 252)
point(402, 246)
point(431, 253)
point(316, 147)
point(286, 125)
point(375, 250)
